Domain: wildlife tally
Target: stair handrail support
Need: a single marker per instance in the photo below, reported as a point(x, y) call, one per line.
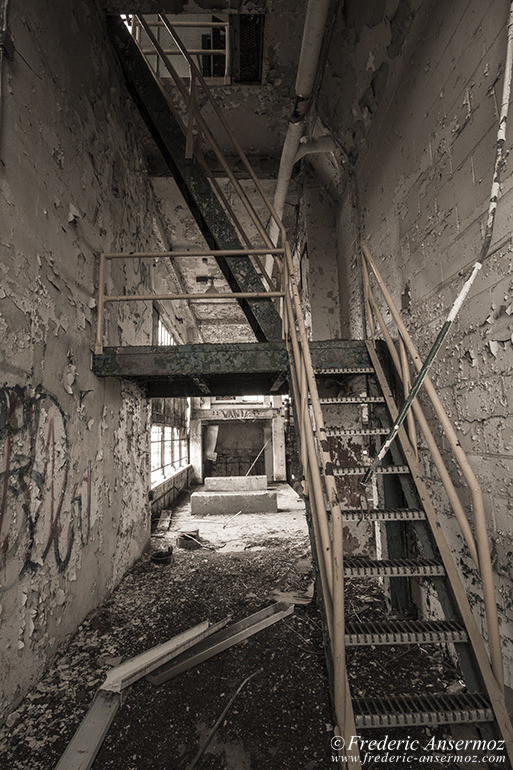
point(477, 541)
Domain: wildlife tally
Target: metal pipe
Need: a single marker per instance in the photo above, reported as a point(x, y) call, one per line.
point(313, 33)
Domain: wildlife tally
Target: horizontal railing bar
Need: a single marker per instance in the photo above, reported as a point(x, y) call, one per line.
point(192, 51)
point(198, 24)
point(180, 254)
point(194, 297)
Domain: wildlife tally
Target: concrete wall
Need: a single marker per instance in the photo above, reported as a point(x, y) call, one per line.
point(165, 495)
point(411, 92)
point(74, 511)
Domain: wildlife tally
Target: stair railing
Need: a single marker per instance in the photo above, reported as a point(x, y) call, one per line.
point(477, 541)
point(319, 482)
point(135, 29)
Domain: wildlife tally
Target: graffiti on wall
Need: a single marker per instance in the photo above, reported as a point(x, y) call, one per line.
point(41, 513)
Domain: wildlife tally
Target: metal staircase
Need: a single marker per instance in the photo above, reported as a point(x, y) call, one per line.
point(351, 386)
point(421, 554)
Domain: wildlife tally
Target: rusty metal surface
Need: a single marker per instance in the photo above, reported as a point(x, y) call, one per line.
point(238, 368)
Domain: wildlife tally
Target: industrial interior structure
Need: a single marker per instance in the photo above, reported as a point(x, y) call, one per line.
point(231, 232)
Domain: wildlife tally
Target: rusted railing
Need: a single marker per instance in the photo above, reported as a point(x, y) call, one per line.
point(319, 482)
point(135, 26)
point(477, 540)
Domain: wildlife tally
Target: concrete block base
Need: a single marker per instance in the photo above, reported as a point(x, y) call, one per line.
point(235, 483)
point(205, 503)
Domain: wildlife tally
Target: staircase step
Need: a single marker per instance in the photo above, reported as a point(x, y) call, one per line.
point(436, 709)
point(357, 431)
point(359, 566)
point(360, 470)
point(404, 632)
point(352, 400)
point(384, 514)
point(345, 370)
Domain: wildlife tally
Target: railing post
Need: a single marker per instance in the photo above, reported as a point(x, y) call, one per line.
point(98, 349)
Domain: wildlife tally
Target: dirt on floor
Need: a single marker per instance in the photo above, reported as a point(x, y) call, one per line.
point(282, 718)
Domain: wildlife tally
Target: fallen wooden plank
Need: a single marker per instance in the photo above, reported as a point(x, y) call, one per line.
point(129, 672)
point(85, 744)
point(220, 641)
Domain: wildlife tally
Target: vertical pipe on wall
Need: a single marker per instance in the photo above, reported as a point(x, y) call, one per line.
point(313, 34)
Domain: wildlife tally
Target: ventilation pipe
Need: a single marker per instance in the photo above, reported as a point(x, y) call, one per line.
point(313, 34)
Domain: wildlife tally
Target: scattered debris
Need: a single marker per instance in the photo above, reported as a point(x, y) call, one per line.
point(296, 597)
point(221, 719)
point(188, 539)
point(231, 519)
point(162, 556)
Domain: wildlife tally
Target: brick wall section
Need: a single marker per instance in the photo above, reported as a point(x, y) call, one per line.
point(418, 120)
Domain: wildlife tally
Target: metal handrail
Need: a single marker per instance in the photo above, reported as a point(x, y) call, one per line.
point(104, 298)
point(477, 543)
point(319, 482)
point(135, 27)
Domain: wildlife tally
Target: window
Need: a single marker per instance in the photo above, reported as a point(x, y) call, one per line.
point(164, 336)
point(170, 420)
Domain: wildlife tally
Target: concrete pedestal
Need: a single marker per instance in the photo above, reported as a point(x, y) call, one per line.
point(235, 484)
point(205, 503)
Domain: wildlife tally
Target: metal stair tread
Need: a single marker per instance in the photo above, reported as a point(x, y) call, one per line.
point(360, 566)
point(330, 370)
point(384, 514)
point(326, 400)
point(334, 431)
point(399, 631)
point(435, 709)
point(360, 470)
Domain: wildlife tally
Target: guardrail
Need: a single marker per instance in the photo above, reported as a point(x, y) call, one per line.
point(135, 26)
point(478, 543)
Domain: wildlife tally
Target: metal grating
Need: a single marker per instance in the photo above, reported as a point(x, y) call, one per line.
point(404, 632)
point(357, 431)
point(437, 709)
point(353, 400)
point(346, 370)
point(357, 566)
point(360, 470)
point(384, 514)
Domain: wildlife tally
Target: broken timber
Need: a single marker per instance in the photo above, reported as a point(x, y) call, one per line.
point(224, 639)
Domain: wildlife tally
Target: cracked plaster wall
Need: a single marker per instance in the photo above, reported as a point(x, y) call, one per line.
point(411, 92)
point(74, 511)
